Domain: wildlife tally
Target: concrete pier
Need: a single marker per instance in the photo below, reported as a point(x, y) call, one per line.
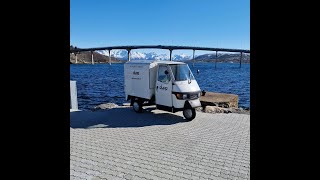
point(170, 54)
point(76, 58)
point(219, 99)
point(128, 54)
point(92, 61)
point(109, 56)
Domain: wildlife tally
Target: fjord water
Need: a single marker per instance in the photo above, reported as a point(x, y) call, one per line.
point(103, 83)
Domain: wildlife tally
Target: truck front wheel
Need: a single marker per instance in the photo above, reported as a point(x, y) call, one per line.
point(189, 113)
point(137, 106)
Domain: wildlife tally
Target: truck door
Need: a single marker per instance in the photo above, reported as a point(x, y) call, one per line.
point(164, 87)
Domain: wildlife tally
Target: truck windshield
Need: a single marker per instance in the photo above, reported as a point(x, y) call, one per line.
point(181, 72)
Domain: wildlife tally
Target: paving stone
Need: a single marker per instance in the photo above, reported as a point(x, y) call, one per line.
point(212, 146)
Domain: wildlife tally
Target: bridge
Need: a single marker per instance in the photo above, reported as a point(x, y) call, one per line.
point(76, 51)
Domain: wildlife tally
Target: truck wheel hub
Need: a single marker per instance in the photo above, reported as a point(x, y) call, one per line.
point(187, 113)
point(136, 106)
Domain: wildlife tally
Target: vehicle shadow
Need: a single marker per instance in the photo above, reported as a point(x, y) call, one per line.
point(122, 117)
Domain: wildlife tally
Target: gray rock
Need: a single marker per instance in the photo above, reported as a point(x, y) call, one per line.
point(239, 110)
point(216, 109)
point(199, 109)
point(105, 106)
point(213, 109)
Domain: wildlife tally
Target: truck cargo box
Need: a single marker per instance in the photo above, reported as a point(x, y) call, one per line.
point(140, 78)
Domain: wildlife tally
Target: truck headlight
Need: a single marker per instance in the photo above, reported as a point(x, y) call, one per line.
point(184, 96)
point(181, 96)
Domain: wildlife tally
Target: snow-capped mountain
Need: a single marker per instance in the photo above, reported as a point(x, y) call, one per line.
point(123, 54)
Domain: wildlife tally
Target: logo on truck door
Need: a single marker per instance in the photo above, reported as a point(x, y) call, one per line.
point(135, 72)
point(163, 88)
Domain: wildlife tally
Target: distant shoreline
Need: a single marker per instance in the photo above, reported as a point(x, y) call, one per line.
point(188, 61)
point(98, 63)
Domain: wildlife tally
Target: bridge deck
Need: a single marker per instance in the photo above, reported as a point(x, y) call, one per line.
point(160, 47)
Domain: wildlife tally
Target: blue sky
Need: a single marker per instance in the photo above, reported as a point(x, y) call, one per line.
point(207, 23)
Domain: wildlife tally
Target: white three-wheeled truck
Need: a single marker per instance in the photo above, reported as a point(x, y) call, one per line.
point(168, 84)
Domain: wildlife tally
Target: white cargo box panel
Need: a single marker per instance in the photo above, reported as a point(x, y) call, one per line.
point(140, 78)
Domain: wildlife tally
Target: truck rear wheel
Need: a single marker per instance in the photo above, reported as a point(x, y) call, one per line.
point(189, 113)
point(137, 105)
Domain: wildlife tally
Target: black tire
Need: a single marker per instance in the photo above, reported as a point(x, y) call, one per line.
point(137, 105)
point(189, 113)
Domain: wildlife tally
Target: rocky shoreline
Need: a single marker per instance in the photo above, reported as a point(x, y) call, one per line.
point(216, 109)
point(206, 109)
